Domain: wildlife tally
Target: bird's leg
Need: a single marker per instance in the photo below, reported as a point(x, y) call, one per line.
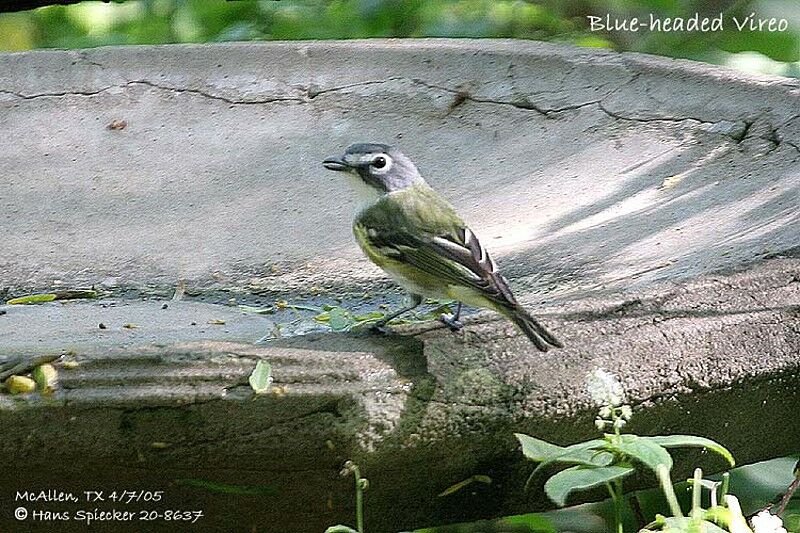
point(416, 299)
point(451, 321)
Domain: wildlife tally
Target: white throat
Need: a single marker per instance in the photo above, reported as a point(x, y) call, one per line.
point(365, 194)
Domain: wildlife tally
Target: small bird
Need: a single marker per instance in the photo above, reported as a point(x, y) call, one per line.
point(417, 238)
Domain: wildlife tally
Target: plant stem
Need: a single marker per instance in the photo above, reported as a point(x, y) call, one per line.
point(697, 488)
point(788, 496)
point(669, 492)
point(359, 499)
point(620, 502)
point(616, 497)
point(726, 478)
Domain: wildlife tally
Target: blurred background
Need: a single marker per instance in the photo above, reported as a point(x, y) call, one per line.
point(88, 24)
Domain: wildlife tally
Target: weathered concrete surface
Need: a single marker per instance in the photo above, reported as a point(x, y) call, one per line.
point(418, 412)
point(581, 168)
point(649, 207)
point(76, 325)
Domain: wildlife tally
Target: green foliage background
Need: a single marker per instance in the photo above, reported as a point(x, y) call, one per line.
point(89, 24)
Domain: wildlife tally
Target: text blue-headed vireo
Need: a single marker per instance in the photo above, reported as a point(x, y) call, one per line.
point(417, 237)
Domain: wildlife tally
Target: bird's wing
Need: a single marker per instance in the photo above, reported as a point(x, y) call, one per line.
point(454, 256)
point(464, 248)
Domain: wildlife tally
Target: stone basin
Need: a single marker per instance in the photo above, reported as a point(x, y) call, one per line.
point(645, 208)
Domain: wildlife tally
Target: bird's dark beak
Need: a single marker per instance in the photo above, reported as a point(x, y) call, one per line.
point(335, 163)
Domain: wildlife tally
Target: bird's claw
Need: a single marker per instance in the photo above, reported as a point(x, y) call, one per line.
point(451, 322)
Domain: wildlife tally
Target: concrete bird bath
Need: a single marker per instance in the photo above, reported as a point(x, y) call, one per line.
point(646, 208)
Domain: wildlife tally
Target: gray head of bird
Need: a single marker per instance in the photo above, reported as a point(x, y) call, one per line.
point(382, 168)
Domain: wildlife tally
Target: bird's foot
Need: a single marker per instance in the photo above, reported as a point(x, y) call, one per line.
point(451, 322)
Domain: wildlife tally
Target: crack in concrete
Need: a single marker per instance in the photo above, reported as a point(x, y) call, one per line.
point(211, 96)
point(523, 104)
point(153, 85)
point(618, 116)
point(528, 105)
point(312, 91)
point(34, 96)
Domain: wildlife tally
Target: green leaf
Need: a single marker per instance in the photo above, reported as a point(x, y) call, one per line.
point(791, 522)
point(373, 315)
point(584, 453)
point(535, 523)
point(581, 477)
point(683, 525)
point(301, 307)
point(645, 451)
point(45, 377)
point(477, 478)
point(261, 377)
point(537, 450)
point(718, 515)
point(71, 294)
point(32, 299)
point(257, 310)
point(339, 319)
point(710, 527)
point(690, 441)
point(340, 529)
point(323, 317)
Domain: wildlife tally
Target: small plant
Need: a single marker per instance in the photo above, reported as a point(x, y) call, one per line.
point(340, 319)
point(361, 485)
point(724, 517)
point(53, 296)
point(261, 377)
point(615, 456)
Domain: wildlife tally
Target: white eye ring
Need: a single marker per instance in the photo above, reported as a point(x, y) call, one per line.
point(380, 169)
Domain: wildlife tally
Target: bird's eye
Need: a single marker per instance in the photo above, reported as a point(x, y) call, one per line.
point(379, 162)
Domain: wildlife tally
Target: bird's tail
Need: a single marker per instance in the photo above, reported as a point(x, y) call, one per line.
point(538, 335)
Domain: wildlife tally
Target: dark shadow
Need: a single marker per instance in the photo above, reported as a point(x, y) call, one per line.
point(404, 353)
